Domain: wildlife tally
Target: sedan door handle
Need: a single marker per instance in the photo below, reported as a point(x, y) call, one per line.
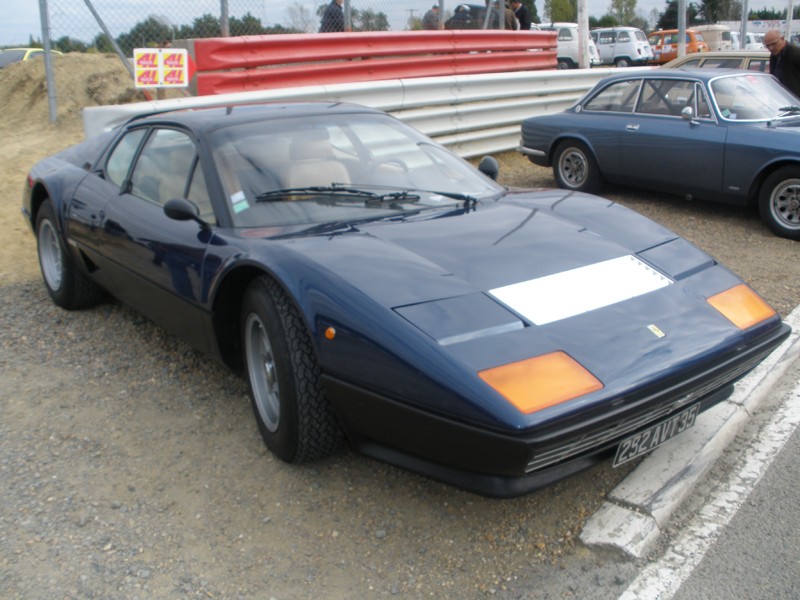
point(632, 127)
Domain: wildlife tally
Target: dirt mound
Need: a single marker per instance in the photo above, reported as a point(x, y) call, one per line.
point(80, 80)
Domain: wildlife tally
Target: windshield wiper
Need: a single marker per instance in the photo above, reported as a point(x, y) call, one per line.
point(788, 110)
point(370, 198)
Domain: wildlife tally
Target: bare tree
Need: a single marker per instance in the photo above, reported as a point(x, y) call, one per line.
point(300, 18)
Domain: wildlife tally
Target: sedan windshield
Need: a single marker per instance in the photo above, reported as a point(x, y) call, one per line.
point(751, 97)
point(338, 168)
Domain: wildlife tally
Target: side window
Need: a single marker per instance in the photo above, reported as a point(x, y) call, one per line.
point(119, 163)
point(703, 109)
point(665, 97)
point(758, 64)
point(619, 97)
point(165, 170)
point(607, 37)
point(564, 34)
point(624, 36)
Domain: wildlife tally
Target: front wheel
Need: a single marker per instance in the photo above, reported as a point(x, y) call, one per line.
point(574, 167)
point(779, 202)
point(67, 286)
point(294, 416)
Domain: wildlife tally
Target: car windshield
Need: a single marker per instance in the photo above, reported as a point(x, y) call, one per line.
point(10, 56)
point(751, 97)
point(338, 168)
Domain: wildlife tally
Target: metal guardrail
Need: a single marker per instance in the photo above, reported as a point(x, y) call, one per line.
point(236, 64)
point(470, 114)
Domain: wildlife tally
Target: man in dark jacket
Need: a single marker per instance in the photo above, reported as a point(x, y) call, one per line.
point(784, 61)
point(523, 15)
point(332, 18)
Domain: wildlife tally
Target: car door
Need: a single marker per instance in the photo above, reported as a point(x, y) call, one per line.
point(659, 149)
point(150, 261)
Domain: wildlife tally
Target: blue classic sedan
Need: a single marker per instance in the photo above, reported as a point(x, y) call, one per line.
point(373, 287)
point(712, 134)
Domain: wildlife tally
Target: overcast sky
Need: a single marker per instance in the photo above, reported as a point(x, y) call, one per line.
point(19, 19)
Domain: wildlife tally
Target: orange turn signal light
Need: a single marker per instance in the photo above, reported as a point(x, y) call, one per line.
point(742, 306)
point(540, 382)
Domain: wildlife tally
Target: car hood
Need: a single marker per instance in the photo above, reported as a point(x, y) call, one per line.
point(519, 238)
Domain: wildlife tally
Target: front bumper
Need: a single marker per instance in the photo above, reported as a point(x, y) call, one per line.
point(508, 464)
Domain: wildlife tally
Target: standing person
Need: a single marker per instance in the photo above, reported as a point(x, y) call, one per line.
point(431, 18)
point(461, 19)
point(523, 15)
point(332, 18)
point(784, 61)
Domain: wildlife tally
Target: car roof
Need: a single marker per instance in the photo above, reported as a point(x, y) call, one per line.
point(207, 119)
point(722, 54)
point(699, 74)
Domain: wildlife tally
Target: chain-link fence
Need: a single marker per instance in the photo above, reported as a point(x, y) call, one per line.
point(80, 25)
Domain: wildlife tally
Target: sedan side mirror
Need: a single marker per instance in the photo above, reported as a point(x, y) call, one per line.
point(687, 114)
point(489, 167)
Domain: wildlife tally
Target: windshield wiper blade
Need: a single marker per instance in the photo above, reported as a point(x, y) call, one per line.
point(315, 189)
point(788, 110)
point(469, 201)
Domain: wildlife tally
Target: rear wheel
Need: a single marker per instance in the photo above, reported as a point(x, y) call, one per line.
point(622, 62)
point(294, 416)
point(779, 202)
point(563, 63)
point(67, 286)
point(574, 167)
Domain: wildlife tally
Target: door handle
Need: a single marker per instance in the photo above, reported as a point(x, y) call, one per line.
point(632, 127)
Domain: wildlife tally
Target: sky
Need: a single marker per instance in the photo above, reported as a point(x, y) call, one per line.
point(19, 19)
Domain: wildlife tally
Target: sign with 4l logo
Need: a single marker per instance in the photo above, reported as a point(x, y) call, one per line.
point(162, 67)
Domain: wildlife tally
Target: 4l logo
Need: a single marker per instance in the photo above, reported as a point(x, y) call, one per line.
point(162, 67)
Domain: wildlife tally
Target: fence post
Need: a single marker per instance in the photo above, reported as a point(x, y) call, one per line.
point(48, 62)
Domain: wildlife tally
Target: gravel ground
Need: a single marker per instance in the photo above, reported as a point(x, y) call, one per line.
point(132, 468)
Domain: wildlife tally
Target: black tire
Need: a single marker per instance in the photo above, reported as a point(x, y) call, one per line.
point(564, 63)
point(779, 202)
point(67, 286)
point(575, 168)
point(294, 416)
point(622, 62)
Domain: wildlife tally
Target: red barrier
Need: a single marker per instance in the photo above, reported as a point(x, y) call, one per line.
point(274, 61)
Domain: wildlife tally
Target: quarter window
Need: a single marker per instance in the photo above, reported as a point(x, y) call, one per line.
point(618, 97)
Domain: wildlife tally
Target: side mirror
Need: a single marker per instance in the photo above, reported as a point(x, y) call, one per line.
point(181, 209)
point(687, 114)
point(489, 167)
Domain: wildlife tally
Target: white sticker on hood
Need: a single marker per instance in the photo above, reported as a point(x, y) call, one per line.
point(563, 295)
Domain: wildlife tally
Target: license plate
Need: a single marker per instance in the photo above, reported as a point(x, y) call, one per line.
point(655, 435)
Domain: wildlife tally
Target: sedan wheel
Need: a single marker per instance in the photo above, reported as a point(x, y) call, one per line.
point(294, 416)
point(574, 167)
point(779, 202)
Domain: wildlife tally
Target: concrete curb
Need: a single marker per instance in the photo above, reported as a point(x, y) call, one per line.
point(634, 513)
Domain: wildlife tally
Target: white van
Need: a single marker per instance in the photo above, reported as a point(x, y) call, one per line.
point(622, 46)
point(755, 41)
point(568, 45)
point(718, 37)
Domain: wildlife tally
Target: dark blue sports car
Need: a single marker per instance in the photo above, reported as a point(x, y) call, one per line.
point(375, 288)
point(729, 136)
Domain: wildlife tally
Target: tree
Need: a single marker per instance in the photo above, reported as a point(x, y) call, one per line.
point(300, 18)
point(145, 34)
point(67, 44)
point(623, 10)
point(713, 11)
point(102, 43)
point(369, 20)
point(561, 10)
point(669, 18)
